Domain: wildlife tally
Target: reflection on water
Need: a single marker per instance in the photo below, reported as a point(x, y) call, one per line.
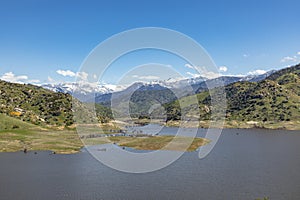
point(245, 164)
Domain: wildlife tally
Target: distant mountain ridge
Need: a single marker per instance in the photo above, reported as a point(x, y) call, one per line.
point(275, 99)
point(143, 96)
point(86, 91)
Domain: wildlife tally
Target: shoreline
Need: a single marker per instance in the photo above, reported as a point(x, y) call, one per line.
point(290, 126)
point(228, 124)
point(68, 142)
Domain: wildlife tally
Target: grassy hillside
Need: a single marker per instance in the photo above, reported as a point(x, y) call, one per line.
point(40, 106)
point(277, 98)
point(35, 105)
point(274, 100)
point(10, 123)
point(16, 135)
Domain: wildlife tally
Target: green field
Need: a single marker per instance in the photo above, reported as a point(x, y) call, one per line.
point(16, 135)
point(153, 142)
point(9, 123)
point(161, 142)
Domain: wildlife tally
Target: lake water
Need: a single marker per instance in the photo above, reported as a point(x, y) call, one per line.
point(248, 165)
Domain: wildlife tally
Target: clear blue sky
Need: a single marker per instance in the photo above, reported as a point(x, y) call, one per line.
point(39, 37)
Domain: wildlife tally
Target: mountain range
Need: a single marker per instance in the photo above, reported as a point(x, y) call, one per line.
point(272, 97)
point(86, 91)
point(143, 96)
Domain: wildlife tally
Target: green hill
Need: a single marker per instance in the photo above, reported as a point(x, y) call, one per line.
point(35, 105)
point(25, 110)
point(16, 135)
point(275, 100)
point(10, 123)
point(42, 107)
point(34, 118)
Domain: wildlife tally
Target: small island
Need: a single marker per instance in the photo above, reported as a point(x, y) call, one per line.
point(18, 135)
point(164, 142)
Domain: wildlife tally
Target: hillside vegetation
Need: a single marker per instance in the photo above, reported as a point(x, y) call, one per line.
point(10, 123)
point(35, 105)
point(16, 135)
point(42, 107)
point(35, 118)
point(274, 100)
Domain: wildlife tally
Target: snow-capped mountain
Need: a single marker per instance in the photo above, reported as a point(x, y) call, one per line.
point(86, 91)
point(83, 88)
point(178, 83)
point(256, 78)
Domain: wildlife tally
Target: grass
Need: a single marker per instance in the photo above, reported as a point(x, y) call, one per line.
point(68, 141)
point(8, 123)
point(160, 142)
point(15, 135)
point(35, 140)
point(290, 125)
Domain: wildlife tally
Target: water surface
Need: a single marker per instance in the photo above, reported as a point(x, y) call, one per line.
point(245, 164)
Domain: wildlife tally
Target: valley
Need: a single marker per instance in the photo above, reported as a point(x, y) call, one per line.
point(36, 118)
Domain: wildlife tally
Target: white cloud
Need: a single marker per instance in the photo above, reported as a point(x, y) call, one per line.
point(50, 79)
point(236, 75)
point(80, 75)
point(223, 69)
point(34, 81)
point(202, 72)
point(11, 77)
point(288, 59)
point(298, 53)
point(210, 75)
point(149, 77)
point(257, 72)
point(246, 55)
point(193, 75)
point(189, 66)
point(66, 73)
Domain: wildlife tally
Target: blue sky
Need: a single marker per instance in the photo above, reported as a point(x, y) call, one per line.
point(40, 38)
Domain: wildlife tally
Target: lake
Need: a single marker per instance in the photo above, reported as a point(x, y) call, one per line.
point(245, 164)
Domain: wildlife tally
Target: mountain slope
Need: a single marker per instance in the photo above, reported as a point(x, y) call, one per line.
point(144, 97)
point(40, 106)
point(9, 123)
point(274, 99)
point(35, 104)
